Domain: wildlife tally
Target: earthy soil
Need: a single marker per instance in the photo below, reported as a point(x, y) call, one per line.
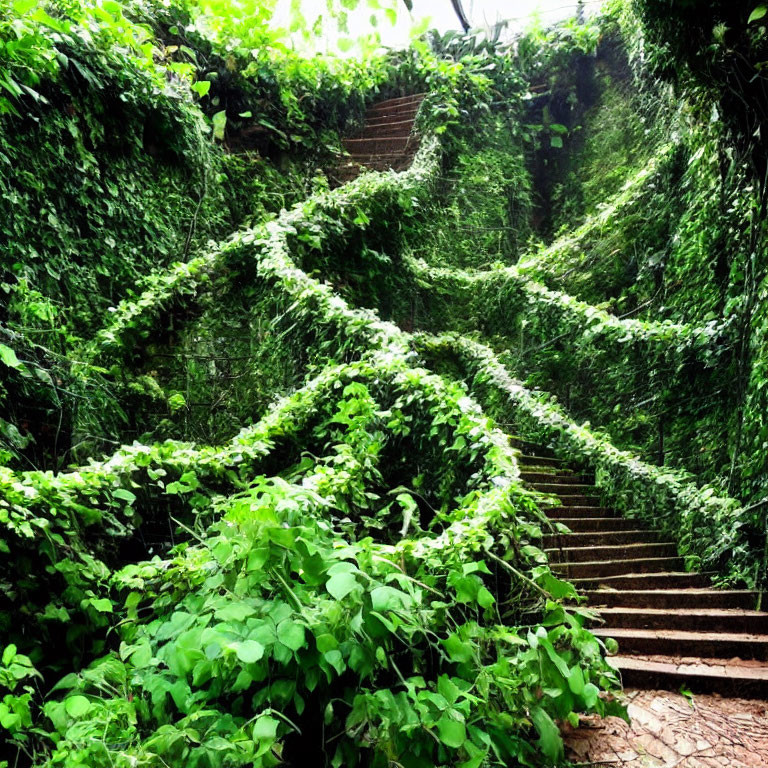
point(673, 731)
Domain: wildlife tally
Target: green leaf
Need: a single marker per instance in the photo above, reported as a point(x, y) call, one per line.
point(757, 13)
point(102, 605)
point(448, 689)
point(485, 598)
point(457, 649)
point(556, 141)
point(249, 651)
point(326, 642)
point(8, 356)
point(201, 87)
point(389, 599)
point(265, 728)
point(576, 681)
point(291, 634)
point(452, 733)
point(549, 740)
point(9, 654)
point(122, 493)
point(341, 584)
point(23, 6)
point(77, 706)
point(219, 121)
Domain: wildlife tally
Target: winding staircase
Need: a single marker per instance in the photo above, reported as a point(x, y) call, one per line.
point(673, 629)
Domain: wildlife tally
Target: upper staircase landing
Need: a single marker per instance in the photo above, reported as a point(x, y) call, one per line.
point(386, 141)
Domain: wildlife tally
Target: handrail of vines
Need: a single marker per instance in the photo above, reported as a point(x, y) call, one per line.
point(593, 325)
point(711, 530)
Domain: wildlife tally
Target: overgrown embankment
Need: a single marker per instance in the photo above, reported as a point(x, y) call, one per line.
point(335, 555)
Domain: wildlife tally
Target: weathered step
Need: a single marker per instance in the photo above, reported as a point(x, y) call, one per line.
point(646, 581)
point(599, 538)
point(579, 501)
point(379, 156)
point(389, 114)
point(397, 101)
point(539, 461)
point(558, 476)
point(599, 569)
point(590, 524)
point(560, 513)
point(672, 598)
point(378, 128)
point(378, 146)
point(702, 676)
point(676, 642)
point(566, 489)
point(688, 619)
point(406, 119)
point(612, 552)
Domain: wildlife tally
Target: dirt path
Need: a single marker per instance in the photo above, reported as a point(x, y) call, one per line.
point(669, 730)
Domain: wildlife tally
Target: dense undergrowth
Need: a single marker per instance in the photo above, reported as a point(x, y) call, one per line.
point(258, 496)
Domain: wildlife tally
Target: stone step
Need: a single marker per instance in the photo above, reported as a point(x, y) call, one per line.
point(690, 619)
point(599, 538)
point(602, 568)
point(589, 524)
point(391, 113)
point(676, 642)
point(578, 500)
point(383, 121)
point(386, 127)
point(672, 598)
point(539, 461)
point(612, 552)
point(553, 477)
point(397, 101)
point(705, 675)
point(575, 511)
point(379, 146)
point(645, 581)
point(565, 489)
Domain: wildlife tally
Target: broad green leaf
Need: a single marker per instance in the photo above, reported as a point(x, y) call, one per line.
point(326, 642)
point(448, 689)
point(576, 681)
point(291, 634)
point(341, 584)
point(8, 654)
point(23, 6)
point(8, 356)
point(102, 605)
point(549, 740)
point(389, 599)
point(485, 598)
point(757, 13)
point(125, 495)
point(457, 649)
point(201, 87)
point(265, 728)
point(77, 706)
point(452, 732)
point(249, 651)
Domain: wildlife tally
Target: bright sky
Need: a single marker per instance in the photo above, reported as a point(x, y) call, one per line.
point(481, 13)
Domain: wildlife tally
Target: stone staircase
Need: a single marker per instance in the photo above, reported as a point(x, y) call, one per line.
point(673, 629)
point(386, 141)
